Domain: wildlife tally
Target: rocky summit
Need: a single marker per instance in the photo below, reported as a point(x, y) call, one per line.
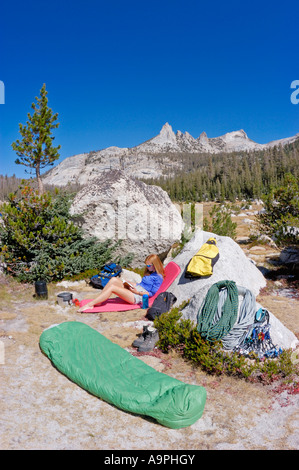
point(152, 158)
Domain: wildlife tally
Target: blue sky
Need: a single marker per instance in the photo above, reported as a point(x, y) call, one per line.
point(116, 71)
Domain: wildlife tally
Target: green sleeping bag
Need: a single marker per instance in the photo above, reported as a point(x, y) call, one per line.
point(113, 374)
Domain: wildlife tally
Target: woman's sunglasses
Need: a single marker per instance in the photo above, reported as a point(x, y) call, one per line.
point(149, 265)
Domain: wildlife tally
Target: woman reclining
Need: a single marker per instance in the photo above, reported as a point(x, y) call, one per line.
point(152, 279)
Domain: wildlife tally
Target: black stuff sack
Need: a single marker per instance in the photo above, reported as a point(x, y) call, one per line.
point(163, 303)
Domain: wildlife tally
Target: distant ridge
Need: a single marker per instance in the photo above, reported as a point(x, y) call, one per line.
point(145, 160)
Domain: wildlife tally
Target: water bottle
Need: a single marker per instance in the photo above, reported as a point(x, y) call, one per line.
point(145, 301)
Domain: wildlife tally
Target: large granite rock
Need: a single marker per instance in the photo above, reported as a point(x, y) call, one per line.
point(117, 207)
point(233, 265)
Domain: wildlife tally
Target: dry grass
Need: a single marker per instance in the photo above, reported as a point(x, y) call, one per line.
point(42, 409)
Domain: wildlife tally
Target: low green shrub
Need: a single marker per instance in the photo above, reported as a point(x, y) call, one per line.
point(172, 332)
point(181, 335)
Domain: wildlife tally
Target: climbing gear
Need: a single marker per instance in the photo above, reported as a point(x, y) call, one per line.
point(261, 315)
point(203, 262)
point(257, 339)
point(244, 330)
point(212, 325)
point(246, 315)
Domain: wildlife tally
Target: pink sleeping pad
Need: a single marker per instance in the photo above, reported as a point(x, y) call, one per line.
point(117, 304)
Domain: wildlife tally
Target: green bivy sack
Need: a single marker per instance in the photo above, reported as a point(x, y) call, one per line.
point(111, 373)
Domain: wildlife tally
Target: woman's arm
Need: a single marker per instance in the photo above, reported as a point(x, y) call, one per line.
point(152, 283)
point(135, 291)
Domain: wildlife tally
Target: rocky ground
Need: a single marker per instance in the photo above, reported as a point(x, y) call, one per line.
point(42, 409)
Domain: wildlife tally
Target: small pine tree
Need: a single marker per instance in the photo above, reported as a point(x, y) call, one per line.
point(36, 149)
point(281, 216)
point(39, 239)
point(221, 222)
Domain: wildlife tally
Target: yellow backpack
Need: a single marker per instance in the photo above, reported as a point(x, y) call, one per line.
point(202, 263)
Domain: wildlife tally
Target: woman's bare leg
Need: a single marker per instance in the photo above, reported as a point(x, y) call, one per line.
point(113, 281)
point(114, 286)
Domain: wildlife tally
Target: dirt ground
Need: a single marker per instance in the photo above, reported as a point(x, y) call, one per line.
point(42, 409)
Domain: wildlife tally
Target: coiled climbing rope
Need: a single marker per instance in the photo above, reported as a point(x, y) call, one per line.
point(246, 317)
point(210, 324)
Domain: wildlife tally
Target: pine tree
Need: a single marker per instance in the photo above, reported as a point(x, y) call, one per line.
point(39, 238)
point(36, 149)
point(281, 216)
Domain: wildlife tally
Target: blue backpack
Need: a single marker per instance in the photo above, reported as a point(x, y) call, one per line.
point(98, 281)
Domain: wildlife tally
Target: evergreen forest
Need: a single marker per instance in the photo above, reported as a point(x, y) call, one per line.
point(218, 177)
point(229, 176)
